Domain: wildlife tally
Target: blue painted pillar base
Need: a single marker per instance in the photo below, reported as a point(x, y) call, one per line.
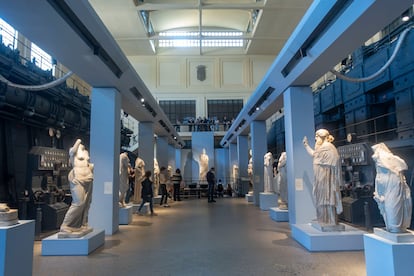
point(387, 257)
point(314, 240)
point(125, 215)
point(53, 246)
point(267, 200)
point(279, 215)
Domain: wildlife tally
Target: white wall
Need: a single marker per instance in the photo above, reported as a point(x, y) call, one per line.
point(227, 77)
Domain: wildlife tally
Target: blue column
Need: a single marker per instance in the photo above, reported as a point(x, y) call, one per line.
point(104, 151)
point(146, 144)
point(242, 155)
point(232, 161)
point(162, 151)
point(259, 149)
point(221, 164)
point(299, 122)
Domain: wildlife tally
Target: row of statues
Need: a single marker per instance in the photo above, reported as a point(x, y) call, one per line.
point(391, 190)
point(392, 193)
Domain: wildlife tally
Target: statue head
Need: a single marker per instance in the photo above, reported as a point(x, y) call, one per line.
point(323, 135)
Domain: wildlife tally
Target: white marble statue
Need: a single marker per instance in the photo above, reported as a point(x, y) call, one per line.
point(327, 171)
point(235, 173)
point(139, 177)
point(123, 177)
point(81, 179)
point(156, 177)
point(250, 170)
point(282, 182)
point(7, 216)
point(268, 173)
point(392, 193)
point(203, 166)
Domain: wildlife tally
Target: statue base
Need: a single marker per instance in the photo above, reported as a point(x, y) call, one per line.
point(55, 246)
point(156, 199)
point(407, 236)
point(267, 200)
point(75, 233)
point(16, 248)
point(312, 239)
point(9, 218)
point(249, 197)
point(328, 227)
point(386, 257)
point(125, 215)
point(279, 215)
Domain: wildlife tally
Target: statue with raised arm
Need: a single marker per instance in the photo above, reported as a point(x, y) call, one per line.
point(327, 171)
point(123, 177)
point(80, 177)
point(268, 173)
point(392, 193)
point(282, 182)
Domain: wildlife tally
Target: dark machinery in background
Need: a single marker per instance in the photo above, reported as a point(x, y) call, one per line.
point(50, 187)
point(37, 128)
point(358, 169)
point(360, 115)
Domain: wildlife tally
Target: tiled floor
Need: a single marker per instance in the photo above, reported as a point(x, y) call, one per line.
point(193, 237)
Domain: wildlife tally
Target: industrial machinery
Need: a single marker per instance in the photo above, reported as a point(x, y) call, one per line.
point(357, 190)
point(50, 186)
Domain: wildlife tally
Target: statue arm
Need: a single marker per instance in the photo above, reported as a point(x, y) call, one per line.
point(307, 147)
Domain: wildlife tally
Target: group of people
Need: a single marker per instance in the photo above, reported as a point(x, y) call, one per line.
point(147, 192)
point(205, 124)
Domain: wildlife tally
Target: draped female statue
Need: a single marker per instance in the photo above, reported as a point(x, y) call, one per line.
point(392, 193)
point(327, 171)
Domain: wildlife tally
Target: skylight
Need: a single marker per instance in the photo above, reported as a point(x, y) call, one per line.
point(208, 39)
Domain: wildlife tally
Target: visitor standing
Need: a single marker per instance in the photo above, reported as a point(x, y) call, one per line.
point(164, 179)
point(176, 180)
point(211, 180)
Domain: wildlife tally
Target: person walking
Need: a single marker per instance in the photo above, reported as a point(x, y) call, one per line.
point(164, 179)
point(176, 180)
point(147, 193)
point(211, 180)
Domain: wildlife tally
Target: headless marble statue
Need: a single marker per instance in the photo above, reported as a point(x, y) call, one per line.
point(268, 173)
point(282, 182)
point(156, 177)
point(139, 177)
point(392, 193)
point(123, 177)
point(250, 172)
point(203, 166)
point(75, 223)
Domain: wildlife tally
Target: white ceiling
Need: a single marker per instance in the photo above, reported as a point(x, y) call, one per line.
point(277, 20)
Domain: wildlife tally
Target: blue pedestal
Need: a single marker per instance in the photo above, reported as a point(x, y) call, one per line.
point(156, 199)
point(16, 248)
point(386, 257)
point(249, 197)
point(279, 215)
point(145, 209)
point(315, 240)
point(52, 246)
point(125, 215)
point(267, 200)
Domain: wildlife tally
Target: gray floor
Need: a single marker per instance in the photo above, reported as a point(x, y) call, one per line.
point(193, 237)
